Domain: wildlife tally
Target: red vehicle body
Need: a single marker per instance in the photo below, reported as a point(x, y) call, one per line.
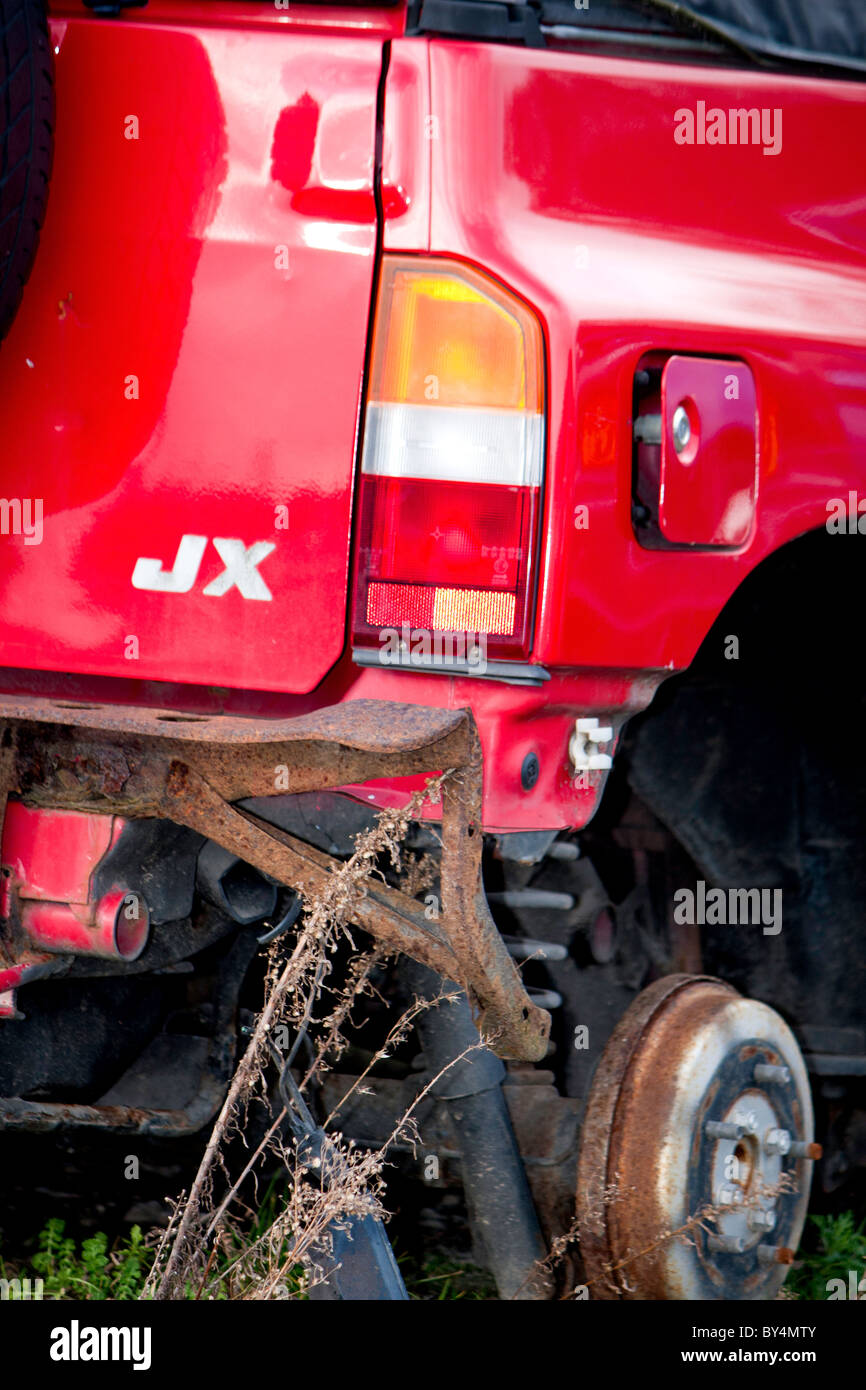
point(250, 378)
point(191, 367)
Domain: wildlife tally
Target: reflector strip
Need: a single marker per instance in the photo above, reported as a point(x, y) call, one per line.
point(455, 444)
point(473, 610)
point(440, 610)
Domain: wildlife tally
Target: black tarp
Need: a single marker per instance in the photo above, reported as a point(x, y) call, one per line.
point(781, 33)
point(835, 27)
point(780, 28)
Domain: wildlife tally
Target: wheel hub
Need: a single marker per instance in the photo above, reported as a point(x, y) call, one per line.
point(696, 1152)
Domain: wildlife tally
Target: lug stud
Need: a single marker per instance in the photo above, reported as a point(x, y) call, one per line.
point(722, 1129)
point(731, 1245)
point(775, 1255)
point(778, 1141)
point(729, 1196)
point(800, 1149)
point(762, 1220)
point(765, 1074)
point(749, 1122)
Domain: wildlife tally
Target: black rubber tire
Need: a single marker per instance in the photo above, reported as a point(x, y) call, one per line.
point(26, 143)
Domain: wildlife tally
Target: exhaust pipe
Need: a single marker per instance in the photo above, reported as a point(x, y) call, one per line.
point(114, 928)
point(236, 888)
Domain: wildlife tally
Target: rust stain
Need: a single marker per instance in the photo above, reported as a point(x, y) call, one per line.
point(624, 1130)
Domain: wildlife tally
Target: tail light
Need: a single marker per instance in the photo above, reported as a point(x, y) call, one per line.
point(452, 466)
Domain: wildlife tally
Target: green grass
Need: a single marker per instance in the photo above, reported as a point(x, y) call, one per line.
point(834, 1246)
point(441, 1278)
point(95, 1269)
point(89, 1270)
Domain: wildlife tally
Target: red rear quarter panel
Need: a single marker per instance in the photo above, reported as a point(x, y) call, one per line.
point(561, 175)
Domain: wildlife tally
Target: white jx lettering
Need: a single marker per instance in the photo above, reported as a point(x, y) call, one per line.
point(240, 571)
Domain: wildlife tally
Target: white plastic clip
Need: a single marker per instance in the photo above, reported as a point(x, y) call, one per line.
point(583, 746)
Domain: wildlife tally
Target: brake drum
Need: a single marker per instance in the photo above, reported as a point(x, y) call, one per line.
point(697, 1148)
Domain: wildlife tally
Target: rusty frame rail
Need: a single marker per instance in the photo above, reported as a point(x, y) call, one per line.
point(190, 768)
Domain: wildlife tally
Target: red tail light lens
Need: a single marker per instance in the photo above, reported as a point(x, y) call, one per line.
point(452, 467)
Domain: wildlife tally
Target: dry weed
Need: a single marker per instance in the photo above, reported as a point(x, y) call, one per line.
point(328, 1181)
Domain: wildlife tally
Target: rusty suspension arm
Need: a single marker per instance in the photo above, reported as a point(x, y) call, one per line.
point(190, 768)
